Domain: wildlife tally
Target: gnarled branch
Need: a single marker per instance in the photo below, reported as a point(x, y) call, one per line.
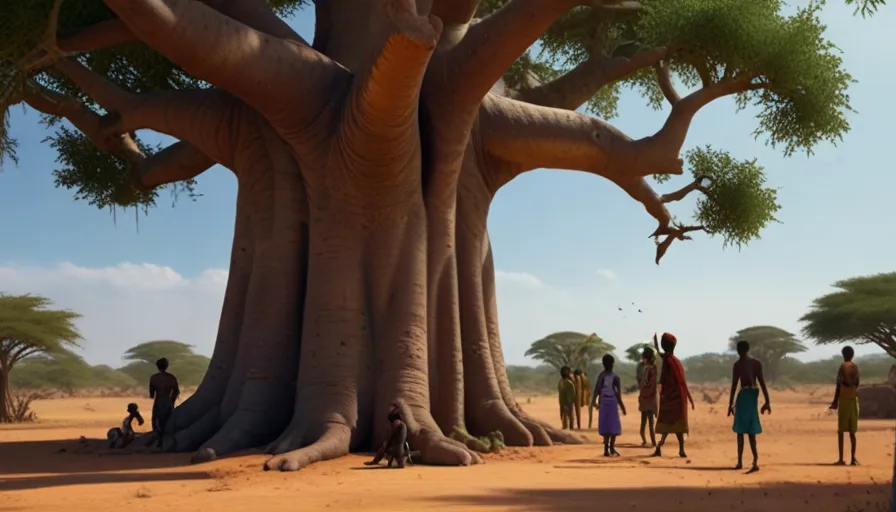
point(214, 47)
point(490, 46)
point(672, 232)
point(664, 79)
point(681, 193)
point(455, 12)
point(180, 161)
point(575, 87)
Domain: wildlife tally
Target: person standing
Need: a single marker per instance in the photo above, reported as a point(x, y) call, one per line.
point(164, 391)
point(582, 394)
point(566, 391)
point(673, 414)
point(608, 394)
point(846, 403)
point(748, 372)
point(647, 396)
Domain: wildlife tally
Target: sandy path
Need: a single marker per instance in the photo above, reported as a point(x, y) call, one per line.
point(798, 444)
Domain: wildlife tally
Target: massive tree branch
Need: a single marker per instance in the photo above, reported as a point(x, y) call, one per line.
point(492, 45)
point(180, 161)
point(287, 82)
point(382, 110)
point(531, 137)
point(518, 137)
point(201, 117)
point(670, 138)
point(253, 13)
point(664, 79)
point(455, 12)
point(575, 87)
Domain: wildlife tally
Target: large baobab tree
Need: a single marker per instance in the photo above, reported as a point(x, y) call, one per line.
point(361, 272)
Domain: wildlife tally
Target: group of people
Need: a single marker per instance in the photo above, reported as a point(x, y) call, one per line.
point(663, 398)
point(164, 391)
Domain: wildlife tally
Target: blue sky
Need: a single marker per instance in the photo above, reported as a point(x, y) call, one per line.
point(569, 246)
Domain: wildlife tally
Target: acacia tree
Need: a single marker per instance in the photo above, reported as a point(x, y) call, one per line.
point(634, 352)
point(189, 366)
point(28, 329)
point(361, 271)
point(862, 310)
point(572, 349)
point(769, 345)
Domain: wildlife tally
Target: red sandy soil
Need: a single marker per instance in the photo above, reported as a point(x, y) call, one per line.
point(796, 449)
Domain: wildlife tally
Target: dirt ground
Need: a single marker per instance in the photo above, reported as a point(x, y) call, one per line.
point(796, 449)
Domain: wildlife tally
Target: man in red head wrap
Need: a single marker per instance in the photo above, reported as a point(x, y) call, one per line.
point(673, 416)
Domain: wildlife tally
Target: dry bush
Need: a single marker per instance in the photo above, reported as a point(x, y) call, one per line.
point(21, 407)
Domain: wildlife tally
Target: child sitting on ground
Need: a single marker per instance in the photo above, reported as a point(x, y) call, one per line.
point(119, 437)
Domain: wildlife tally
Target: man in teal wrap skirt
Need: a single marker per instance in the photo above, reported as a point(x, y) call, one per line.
point(748, 372)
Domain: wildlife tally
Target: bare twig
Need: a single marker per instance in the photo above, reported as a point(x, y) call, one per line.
point(681, 193)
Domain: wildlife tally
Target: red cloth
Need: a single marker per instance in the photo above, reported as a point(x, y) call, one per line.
point(672, 367)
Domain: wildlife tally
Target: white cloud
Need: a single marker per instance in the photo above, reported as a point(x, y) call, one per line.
point(128, 303)
point(518, 279)
point(607, 274)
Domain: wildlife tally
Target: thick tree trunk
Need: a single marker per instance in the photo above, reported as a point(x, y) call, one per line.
point(5, 396)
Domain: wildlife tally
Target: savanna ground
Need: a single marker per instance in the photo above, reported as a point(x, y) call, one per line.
point(796, 450)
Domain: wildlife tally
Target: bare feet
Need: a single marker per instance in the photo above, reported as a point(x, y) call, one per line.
point(739, 466)
point(855, 462)
point(657, 452)
point(682, 454)
point(753, 469)
point(614, 453)
point(643, 442)
point(840, 463)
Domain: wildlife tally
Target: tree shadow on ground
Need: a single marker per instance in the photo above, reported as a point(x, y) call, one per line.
point(44, 481)
point(815, 497)
point(77, 456)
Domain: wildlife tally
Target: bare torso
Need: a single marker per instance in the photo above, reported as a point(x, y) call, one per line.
point(747, 371)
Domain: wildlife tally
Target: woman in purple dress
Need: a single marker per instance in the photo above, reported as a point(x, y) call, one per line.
point(607, 394)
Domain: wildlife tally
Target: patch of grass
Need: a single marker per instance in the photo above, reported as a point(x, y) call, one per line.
point(492, 443)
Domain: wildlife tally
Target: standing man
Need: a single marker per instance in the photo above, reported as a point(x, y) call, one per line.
point(846, 403)
point(748, 372)
point(582, 394)
point(566, 391)
point(163, 389)
point(673, 416)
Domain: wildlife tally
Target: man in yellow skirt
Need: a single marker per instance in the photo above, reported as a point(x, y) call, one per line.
point(846, 403)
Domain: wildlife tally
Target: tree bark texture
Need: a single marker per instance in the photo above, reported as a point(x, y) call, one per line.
point(361, 275)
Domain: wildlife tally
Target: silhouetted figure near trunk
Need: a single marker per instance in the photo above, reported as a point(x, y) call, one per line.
point(395, 447)
point(164, 390)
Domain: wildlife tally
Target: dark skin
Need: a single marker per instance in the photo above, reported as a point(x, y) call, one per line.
point(609, 441)
point(852, 435)
point(647, 419)
point(748, 372)
point(394, 448)
point(668, 349)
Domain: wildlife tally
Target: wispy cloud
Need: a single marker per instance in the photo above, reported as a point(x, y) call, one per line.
point(607, 273)
point(518, 278)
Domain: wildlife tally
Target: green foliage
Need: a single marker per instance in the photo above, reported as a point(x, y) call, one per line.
point(188, 366)
point(738, 205)
point(769, 345)
point(572, 349)
point(29, 328)
point(100, 178)
point(633, 353)
point(64, 370)
point(863, 310)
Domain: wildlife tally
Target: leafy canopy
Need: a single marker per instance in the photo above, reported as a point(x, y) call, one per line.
point(28, 328)
point(567, 348)
point(187, 365)
point(862, 310)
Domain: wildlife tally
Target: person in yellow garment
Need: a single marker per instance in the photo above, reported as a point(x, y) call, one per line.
point(566, 391)
point(582, 394)
point(846, 403)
